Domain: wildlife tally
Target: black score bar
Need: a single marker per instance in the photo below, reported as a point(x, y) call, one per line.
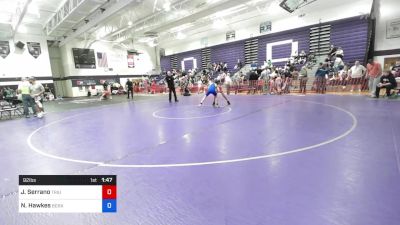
point(67, 180)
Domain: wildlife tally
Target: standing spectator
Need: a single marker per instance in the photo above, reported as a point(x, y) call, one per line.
point(374, 72)
point(356, 74)
point(320, 78)
point(238, 65)
point(265, 78)
point(387, 81)
point(303, 79)
point(129, 87)
point(228, 83)
point(171, 85)
point(253, 77)
point(338, 64)
point(24, 90)
point(36, 91)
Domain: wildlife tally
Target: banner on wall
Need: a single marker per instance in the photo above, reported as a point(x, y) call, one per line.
point(102, 59)
point(265, 27)
point(230, 35)
point(393, 29)
point(4, 49)
point(131, 62)
point(91, 81)
point(34, 49)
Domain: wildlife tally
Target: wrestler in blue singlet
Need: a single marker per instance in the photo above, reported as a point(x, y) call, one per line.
point(212, 89)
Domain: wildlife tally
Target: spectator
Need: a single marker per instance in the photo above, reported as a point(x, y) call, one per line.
point(396, 69)
point(338, 64)
point(24, 90)
point(386, 81)
point(339, 52)
point(265, 77)
point(332, 51)
point(228, 83)
point(272, 77)
point(356, 74)
point(287, 79)
point(302, 57)
point(253, 77)
point(374, 72)
point(343, 76)
point(320, 78)
point(303, 79)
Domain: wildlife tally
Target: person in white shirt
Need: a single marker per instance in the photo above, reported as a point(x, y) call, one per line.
point(265, 77)
point(228, 83)
point(338, 64)
point(36, 91)
point(339, 53)
point(356, 74)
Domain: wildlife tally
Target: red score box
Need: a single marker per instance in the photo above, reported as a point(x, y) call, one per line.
point(109, 191)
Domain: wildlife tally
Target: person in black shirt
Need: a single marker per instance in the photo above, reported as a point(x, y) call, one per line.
point(171, 85)
point(387, 81)
point(332, 51)
point(129, 87)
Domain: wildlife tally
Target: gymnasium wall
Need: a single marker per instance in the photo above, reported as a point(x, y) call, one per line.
point(116, 57)
point(19, 63)
point(300, 35)
point(387, 11)
point(351, 34)
point(117, 66)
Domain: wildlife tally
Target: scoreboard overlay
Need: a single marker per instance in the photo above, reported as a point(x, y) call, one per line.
point(67, 193)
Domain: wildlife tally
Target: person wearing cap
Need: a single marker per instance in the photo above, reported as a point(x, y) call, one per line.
point(27, 101)
point(36, 91)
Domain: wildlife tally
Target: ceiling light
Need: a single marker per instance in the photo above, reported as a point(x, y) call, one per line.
point(22, 29)
point(181, 27)
point(33, 9)
point(180, 36)
point(219, 24)
point(130, 23)
point(212, 1)
point(167, 6)
point(152, 43)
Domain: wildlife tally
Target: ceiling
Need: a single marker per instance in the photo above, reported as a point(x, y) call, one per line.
point(124, 22)
point(37, 14)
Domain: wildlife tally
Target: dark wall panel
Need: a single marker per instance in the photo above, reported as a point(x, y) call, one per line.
point(189, 65)
point(228, 53)
point(195, 54)
point(352, 36)
point(281, 51)
point(165, 63)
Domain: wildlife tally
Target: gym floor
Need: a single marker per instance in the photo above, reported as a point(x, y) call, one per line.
point(315, 159)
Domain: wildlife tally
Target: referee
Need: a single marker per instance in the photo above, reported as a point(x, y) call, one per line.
point(171, 85)
point(129, 87)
